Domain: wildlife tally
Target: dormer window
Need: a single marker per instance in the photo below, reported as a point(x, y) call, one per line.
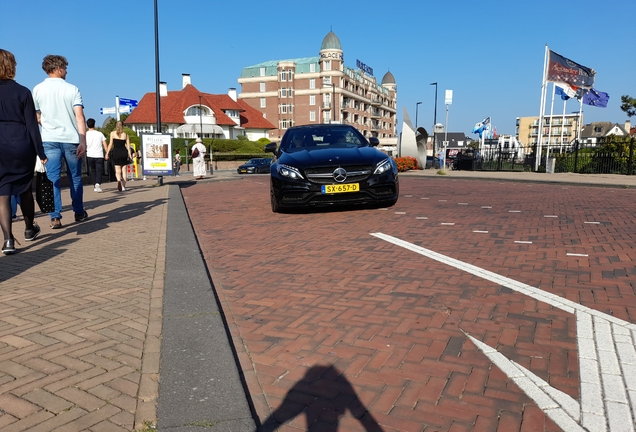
point(197, 110)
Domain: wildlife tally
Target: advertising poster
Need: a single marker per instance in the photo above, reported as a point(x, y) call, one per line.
point(157, 154)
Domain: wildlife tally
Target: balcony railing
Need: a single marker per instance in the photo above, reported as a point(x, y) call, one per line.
point(326, 105)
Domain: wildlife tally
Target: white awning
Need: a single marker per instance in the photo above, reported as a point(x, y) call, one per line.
point(195, 129)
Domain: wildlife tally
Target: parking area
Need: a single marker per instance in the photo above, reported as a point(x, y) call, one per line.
point(469, 305)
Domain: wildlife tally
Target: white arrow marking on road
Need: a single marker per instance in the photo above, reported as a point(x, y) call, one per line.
point(606, 351)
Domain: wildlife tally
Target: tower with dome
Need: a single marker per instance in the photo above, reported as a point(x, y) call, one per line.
point(326, 88)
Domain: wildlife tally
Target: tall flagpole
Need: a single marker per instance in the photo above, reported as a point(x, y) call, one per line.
point(562, 127)
point(547, 152)
point(578, 137)
point(542, 109)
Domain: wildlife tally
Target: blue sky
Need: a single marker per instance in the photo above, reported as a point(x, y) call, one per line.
point(490, 53)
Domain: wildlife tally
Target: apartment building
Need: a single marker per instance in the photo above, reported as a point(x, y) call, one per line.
point(321, 89)
point(557, 129)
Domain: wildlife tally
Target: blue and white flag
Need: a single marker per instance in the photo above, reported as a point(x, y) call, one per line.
point(596, 98)
point(481, 126)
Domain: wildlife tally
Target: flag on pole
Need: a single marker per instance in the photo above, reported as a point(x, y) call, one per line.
point(566, 91)
point(596, 98)
point(481, 126)
point(561, 69)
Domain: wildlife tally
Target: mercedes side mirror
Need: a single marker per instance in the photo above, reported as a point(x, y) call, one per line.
point(374, 141)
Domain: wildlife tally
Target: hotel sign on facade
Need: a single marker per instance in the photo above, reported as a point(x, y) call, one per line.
point(366, 69)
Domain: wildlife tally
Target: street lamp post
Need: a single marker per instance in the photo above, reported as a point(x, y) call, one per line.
point(434, 117)
point(417, 105)
point(158, 84)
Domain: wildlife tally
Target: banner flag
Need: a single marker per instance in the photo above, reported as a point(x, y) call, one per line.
point(561, 69)
point(596, 98)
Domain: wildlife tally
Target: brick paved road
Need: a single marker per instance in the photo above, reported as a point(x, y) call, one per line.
point(333, 323)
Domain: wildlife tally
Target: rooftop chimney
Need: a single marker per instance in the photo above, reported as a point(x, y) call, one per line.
point(163, 89)
point(186, 80)
point(232, 93)
point(628, 126)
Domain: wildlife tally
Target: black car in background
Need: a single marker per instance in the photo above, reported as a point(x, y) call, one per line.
point(255, 166)
point(330, 164)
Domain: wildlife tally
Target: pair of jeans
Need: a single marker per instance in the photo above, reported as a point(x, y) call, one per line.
point(95, 169)
point(55, 153)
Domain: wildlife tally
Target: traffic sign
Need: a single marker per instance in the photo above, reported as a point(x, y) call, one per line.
point(129, 102)
point(123, 109)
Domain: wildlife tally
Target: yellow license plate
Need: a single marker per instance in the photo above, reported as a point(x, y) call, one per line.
point(340, 188)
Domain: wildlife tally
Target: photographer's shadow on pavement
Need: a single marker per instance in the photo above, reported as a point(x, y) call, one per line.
point(323, 395)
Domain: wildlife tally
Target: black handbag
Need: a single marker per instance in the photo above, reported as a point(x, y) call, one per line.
point(44, 193)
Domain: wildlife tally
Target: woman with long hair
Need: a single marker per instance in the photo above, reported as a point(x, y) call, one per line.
point(119, 154)
point(20, 143)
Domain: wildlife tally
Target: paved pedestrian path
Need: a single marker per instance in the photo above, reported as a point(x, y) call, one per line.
point(95, 318)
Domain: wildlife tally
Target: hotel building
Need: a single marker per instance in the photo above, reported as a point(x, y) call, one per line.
point(321, 89)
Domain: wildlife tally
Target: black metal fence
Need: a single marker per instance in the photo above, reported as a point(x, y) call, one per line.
point(608, 156)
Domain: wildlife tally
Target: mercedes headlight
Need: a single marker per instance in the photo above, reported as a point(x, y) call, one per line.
point(289, 172)
point(383, 166)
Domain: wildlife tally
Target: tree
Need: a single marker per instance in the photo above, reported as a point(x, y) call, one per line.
point(628, 104)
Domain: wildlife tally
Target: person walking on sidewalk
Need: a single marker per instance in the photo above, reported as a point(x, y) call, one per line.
point(198, 162)
point(20, 143)
point(95, 148)
point(119, 153)
point(60, 112)
point(177, 162)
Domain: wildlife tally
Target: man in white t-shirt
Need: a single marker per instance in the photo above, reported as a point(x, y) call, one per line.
point(60, 111)
point(95, 149)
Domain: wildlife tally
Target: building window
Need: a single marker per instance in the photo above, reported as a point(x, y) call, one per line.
point(327, 80)
point(263, 103)
point(327, 65)
point(312, 67)
point(289, 75)
point(312, 115)
point(312, 99)
point(262, 71)
point(284, 124)
point(283, 76)
point(283, 109)
point(291, 108)
point(283, 92)
point(262, 87)
point(312, 83)
point(290, 92)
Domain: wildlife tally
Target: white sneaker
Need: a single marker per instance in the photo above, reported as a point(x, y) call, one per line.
point(123, 189)
point(98, 188)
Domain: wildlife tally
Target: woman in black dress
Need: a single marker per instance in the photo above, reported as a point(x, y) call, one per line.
point(119, 154)
point(20, 143)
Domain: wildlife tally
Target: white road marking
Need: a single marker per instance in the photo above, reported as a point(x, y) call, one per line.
point(550, 216)
point(606, 351)
point(575, 254)
point(592, 222)
point(395, 212)
point(421, 217)
point(447, 223)
point(523, 241)
point(514, 211)
point(478, 231)
point(486, 206)
point(462, 203)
